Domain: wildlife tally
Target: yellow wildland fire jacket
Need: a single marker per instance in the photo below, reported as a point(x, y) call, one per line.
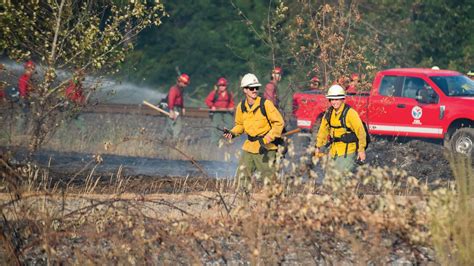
point(353, 122)
point(253, 123)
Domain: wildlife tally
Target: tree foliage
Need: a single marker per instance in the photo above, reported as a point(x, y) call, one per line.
point(208, 39)
point(324, 39)
point(93, 36)
point(423, 33)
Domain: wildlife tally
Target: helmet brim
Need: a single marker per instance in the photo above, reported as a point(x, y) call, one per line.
point(335, 96)
point(253, 85)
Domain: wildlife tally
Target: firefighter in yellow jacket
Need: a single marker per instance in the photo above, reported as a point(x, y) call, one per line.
point(259, 151)
point(343, 130)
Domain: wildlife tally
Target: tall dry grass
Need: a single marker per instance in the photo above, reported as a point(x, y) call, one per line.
point(378, 215)
point(452, 216)
point(374, 216)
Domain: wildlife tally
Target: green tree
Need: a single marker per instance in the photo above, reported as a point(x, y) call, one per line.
point(442, 33)
point(423, 33)
point(205, 39)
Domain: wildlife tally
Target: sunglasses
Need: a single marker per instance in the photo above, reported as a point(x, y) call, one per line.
point(253, 88)
point(332, 100)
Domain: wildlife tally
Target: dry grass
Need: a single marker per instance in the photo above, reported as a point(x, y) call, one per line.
point(374, 216)
point(452, 216)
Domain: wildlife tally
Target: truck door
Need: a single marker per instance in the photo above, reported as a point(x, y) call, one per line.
point(415, 118)
point(382, 106)
point(396, 111)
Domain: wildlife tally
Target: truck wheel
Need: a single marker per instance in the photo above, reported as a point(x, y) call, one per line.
point(462, 141)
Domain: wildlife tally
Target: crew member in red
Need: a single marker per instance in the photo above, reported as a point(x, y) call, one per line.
point(24, 83)
point(25, 87)
point(221, 103)
point(271, 89)
point(176, 105)
point(74, 92)
point(352, 87)
point(314, 84)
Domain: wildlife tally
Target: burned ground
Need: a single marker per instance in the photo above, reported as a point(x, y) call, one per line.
point(139, 139)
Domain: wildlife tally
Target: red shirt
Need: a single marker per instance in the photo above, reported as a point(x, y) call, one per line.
point(24, 85)
point(74, 92)
point(175, 97)
point(270, 93)
point(224, 100)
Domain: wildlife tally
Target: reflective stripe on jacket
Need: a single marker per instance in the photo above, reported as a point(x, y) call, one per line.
point(254, 123)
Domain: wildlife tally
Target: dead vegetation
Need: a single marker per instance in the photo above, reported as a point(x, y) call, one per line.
point(378, 215)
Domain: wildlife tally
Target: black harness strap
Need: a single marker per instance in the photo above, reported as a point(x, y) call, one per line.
point(350, 136)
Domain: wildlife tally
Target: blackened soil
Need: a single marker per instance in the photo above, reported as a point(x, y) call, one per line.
point(424, 159)
point(419, 158)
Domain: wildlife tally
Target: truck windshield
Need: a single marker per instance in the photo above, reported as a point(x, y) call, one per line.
point(455, 86)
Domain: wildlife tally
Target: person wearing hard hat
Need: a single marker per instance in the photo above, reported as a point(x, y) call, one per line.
point(175, 103)
point(346, 136)
point(263, 123)
point(314, 84)
point(24, 82)
point(353, 83)
point(271, 89)
point(342, 81)
point(25, 87)
point(221, 103)
point(470, 74)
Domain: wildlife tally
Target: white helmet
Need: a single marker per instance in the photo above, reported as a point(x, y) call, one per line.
point(249, 80)
point(336, 92)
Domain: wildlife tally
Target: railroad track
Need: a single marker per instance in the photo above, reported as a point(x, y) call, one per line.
point(134, 109)
point(139, 109)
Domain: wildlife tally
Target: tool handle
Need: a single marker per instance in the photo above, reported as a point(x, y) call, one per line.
point(291, 132)
point(156, 108)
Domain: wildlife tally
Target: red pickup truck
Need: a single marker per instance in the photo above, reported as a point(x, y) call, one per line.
point(406, 102)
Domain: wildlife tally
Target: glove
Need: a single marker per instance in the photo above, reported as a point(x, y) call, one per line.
point(262, 149)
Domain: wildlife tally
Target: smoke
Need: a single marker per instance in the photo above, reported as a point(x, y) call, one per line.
point(106, 90)
point(124, 92)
